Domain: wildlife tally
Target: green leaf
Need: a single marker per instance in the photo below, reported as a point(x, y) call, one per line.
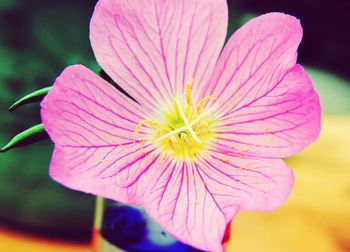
point(33, 97)
point(29, 136)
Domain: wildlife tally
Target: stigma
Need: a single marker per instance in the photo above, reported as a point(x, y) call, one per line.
point(183, 130)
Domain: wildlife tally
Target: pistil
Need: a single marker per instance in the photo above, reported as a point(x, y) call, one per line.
point(187, 123)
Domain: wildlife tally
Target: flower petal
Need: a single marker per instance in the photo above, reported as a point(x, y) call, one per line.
point(92, 126)
point(256, 57)
point(279, 124)
point(250, 183)
point(182, 202)
point(153, 48)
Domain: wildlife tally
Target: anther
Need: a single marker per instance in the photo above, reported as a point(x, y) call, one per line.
point(151, 124)
point(202, 102)
point(188, 92)
point(183, 136)
point(201, 127)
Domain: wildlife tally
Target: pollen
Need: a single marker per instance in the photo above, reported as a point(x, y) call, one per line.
point(184, 130)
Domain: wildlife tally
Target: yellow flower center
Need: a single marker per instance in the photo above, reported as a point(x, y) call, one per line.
point(184, 131)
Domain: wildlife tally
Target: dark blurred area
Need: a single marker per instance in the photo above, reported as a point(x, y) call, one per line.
point(38, 38)
point(326, 29)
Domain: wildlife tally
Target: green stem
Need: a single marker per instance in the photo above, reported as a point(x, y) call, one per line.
point(99, 206)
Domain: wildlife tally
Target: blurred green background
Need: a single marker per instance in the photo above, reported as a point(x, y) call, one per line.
point(38, 38)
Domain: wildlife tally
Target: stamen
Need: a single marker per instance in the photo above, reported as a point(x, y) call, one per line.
point(201, 127)
point(188, 92)
point(204, 101)
point(184, 137)
point(152, 124)
point(172, 142)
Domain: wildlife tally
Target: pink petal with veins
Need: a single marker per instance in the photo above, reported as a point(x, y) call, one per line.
point(184, 203)
point(249, 183)
point(153, 48)
point(256, 57)
point(92, 125)
point(194, 202)
point(278, 124)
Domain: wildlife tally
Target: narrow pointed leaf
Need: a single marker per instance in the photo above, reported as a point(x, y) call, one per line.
point(36, 96)
point(29, 136)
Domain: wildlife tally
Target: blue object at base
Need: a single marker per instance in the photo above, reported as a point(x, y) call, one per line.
point(131, 229)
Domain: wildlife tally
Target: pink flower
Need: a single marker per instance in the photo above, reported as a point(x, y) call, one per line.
point(207, 134)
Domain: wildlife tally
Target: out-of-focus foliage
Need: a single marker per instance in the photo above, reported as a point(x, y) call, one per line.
point(37, 40)
point(8, 4)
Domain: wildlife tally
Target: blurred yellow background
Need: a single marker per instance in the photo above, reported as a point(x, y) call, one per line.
point(317, 215)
